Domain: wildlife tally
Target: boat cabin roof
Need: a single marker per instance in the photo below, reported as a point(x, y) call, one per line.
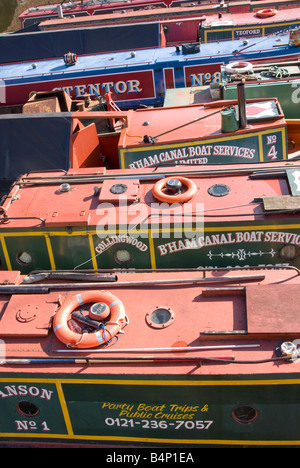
point(196, 323)
point(195, 122)
point(255, 192)
point(209, 15)
point(88, 64)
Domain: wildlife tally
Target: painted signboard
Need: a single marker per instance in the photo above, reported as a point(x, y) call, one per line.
point(268, 145)
point(183, 411)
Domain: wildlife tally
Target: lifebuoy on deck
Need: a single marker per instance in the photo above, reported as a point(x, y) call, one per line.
point(266, 13)
point(89, 340)
point(161, 190)
point(238, 67)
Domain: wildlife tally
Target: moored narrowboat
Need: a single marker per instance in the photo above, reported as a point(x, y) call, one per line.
point(134, 34)
point(183, 359)
point(202, 216)
point(224, 132)
point(278, 78)
point(138, 77)
point(208, 22)
point(87, 9)
point(265, 79)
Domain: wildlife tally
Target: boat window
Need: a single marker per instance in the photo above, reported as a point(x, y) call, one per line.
point(28, 409)
point(289, 252)
point(23, 258)
point(161, 317)
point(122, 256)
point(218, 190)
point(245, 414)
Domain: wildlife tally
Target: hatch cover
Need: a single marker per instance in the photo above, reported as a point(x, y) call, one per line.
point(269, 310)
point(273, 309)
point(113, 190)
point(280, 203)
point(29, 315)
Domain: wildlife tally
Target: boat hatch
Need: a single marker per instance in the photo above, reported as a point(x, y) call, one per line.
point(269, 310)
point(261, 111)
point(221, 23)
point(114, 190)
point(29, 315)
point(10, 277)
point(284, 202)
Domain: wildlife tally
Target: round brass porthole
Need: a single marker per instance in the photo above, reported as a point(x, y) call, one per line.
point(23, 258)
point(28, 409)
point(245, 414)
point(289, 252)
point(218, 190)
point(161, 317)
point(122, 256)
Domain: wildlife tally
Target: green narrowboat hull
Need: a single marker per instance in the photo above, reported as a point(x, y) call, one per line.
point(286, 91)
point(164, 411)
point(219, 245)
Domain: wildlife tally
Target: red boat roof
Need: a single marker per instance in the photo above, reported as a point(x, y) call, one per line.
point(195, 122)
point(214, 319)
point(237, 15)
point(39, 202)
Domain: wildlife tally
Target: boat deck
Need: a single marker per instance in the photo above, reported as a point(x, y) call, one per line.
point(238, 15)
point(220, 323)
point(195, 123)
point(35, 202)
point(244, 18)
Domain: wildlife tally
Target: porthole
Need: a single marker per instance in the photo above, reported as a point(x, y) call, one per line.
point(118, 188)
point(289, 252)
point(244, 414)
point(161, 317)
point(23, 258)
point(28, 409)
point(122, 257)
point(218, 190)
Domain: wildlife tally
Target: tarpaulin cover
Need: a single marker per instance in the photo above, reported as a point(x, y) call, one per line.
point(53, 44)
point(33, 142)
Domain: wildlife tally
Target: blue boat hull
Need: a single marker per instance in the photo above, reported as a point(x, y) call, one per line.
point(139, 77)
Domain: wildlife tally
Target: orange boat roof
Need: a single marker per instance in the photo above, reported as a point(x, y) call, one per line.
point(38, 201)
point(195, 122)
point(223, 316)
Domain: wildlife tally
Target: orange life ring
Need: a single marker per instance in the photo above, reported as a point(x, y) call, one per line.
point(161, 185)
point(89, 340)
point(266, 13)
